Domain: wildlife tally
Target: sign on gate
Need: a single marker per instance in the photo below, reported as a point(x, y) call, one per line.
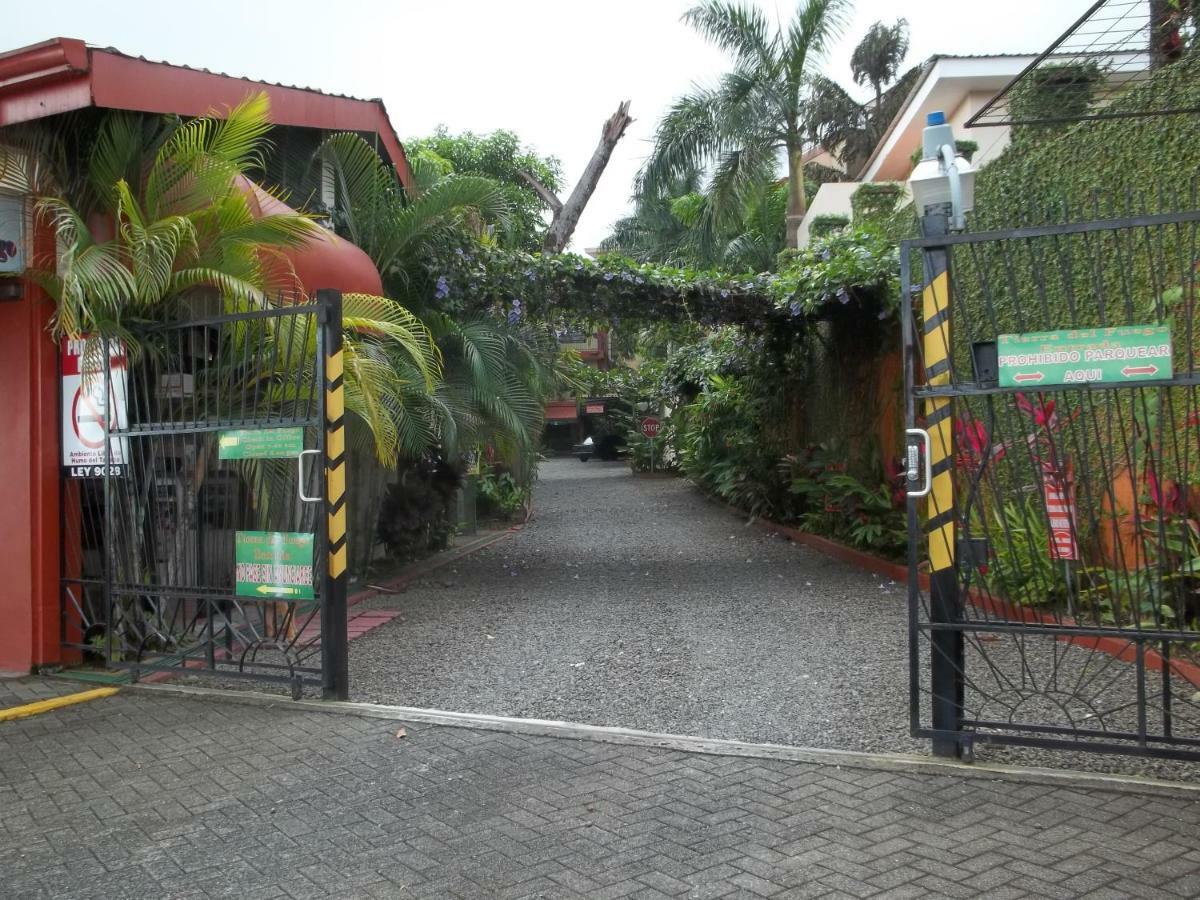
point(1059, 490)
point(1086, 356)
point(274, 564)
point(261, 443)
point(12, 233)
point(87, 411)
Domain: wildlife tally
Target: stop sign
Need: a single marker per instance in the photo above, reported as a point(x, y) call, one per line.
point(650, 427)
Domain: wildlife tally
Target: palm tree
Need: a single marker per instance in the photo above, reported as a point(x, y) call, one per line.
point(495, 374)
point(844, 126)
point(400, 226)
point(877, 58)
point(159, 215)
point(756, 110)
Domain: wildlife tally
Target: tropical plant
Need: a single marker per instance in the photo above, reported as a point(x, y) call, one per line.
point(501, 495)
point(496, 371)
point(177, 199)
point(400, 227)
point(756, 111)
point(820, 226)
point(720, 447)
point(844, 126)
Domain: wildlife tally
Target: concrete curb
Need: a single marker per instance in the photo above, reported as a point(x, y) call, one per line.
point(894, 762)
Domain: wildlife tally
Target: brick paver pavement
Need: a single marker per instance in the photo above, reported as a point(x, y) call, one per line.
point(22, 691)
point(147, 795)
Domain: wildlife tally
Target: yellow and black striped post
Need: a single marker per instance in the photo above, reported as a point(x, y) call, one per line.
point(335, 670)
point(946, 650)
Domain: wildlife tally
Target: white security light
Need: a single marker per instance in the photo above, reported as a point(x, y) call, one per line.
point(942, 177)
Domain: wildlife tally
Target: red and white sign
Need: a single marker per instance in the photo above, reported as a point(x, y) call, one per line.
point(1059, 491)
point(87, 412)
point(594, 408)
point(650, 427)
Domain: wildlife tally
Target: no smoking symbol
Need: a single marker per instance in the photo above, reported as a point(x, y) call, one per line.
point(88, 419)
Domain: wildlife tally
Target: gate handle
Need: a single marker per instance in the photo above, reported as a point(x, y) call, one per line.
point(300, 476)
point(912, 451)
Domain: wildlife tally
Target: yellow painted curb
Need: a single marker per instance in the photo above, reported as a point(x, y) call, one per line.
point(41, 706)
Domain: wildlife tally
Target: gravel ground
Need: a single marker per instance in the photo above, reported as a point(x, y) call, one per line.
point(636, 602)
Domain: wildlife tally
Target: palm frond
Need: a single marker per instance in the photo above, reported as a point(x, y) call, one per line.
point(450, 201)
point(816, 25)
point(737, 28)
point(686, 139)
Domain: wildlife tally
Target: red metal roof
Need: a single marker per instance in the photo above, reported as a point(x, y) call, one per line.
point(65, 74)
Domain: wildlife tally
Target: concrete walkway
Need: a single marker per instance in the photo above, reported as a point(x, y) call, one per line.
point(148, 795)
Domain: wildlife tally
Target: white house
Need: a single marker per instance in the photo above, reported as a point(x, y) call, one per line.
point(959, 86)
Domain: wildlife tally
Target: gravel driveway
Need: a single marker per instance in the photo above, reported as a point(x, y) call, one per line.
point(633, 601)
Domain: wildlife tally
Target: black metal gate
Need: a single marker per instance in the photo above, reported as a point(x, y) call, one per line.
point(1054, 589)
point(199, 537)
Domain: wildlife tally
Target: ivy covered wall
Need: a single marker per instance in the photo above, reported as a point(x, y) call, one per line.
point(1091, 165)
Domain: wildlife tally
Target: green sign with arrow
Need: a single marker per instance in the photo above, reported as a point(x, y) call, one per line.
point(1085, 356)
point(275, 565)
point(261, 443)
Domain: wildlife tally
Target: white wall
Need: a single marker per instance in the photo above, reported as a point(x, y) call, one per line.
point(992, 139)
point(832, 198)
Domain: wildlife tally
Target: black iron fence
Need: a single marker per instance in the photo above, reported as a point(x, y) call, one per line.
point(1055, 589)
point(195, 511)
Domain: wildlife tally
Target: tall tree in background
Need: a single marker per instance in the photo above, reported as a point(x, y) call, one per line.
point(756, 110)
point(877, 58)
point(841, 124)
point(501, 157)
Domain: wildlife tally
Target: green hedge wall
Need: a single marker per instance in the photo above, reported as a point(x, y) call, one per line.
point(1036, 174)
point(1090, 170)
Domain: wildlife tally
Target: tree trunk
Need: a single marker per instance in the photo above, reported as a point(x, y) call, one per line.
point(1165, 43)
point(796, 205)
point(566, 215)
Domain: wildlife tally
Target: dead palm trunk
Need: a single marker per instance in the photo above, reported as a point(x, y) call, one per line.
point(566, 215)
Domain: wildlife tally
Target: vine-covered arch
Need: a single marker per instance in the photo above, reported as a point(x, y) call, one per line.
point(615, 291)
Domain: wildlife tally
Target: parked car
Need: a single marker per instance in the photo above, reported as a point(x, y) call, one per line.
point(608, 448)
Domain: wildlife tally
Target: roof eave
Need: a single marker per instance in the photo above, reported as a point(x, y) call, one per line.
point(64, 74)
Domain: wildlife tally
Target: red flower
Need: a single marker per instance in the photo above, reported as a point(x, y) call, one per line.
point(1042, 412)
point(972, 435)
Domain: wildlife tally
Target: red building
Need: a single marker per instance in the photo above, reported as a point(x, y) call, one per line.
point(59, 77)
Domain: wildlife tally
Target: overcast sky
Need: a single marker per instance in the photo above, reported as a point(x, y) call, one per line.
point(550, 70)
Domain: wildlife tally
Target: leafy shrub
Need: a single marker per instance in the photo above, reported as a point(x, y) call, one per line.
point(501, 496)
point(723, 451)
point(855, 264)
point(965, 149)
point(666, 457)
point(838, 505)
point(874, 200)
point(416, 517)
point(830, 222)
